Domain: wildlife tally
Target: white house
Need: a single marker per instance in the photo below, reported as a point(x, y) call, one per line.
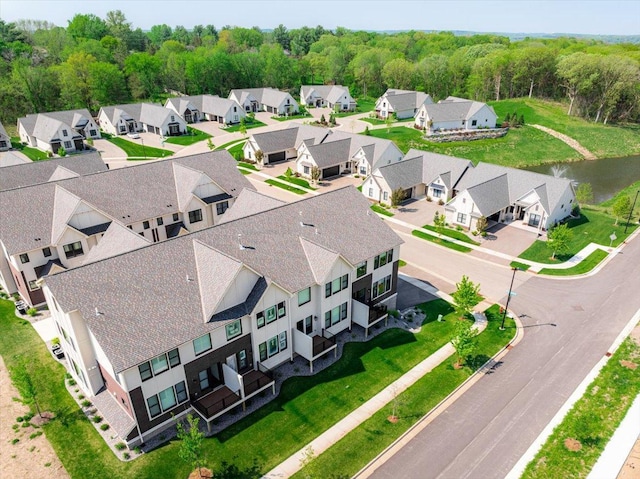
point(84, 218)
point(137, 117)
point(403, 103)
point(265, 99)
point(207, 107)
point(505, 195)
point(52, 130)
point(281, 145)
point(455, 114)
point(242, 302)
point(5, 139)
point(336, 97)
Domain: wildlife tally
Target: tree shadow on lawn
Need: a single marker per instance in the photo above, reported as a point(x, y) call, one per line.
point(348, 365)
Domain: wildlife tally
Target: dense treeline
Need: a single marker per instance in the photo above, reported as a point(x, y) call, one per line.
point(95, 61)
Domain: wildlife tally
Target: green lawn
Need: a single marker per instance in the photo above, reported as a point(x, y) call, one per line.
point(602, 140)
point(381, 210)
point(365, 104)
point(300, 116)
point(137, 151)
point(228, 144)
point(442, 242)
point(249, 124)
point(452, 233)
point(592, 420)
point(32, 153)
point(236, 150)
point(520, 266)
point(193, 136)
point(592, 227)
point(247, 166)
point(297, 181)
point(361, 445)
point(520, 147)
point(265, 437)
point(582, 267)
point(290, 188)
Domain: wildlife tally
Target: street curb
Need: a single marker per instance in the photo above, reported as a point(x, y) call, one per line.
point(442, 406)
point(530, 453)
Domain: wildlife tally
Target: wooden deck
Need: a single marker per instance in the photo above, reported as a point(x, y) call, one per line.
point(216, 401)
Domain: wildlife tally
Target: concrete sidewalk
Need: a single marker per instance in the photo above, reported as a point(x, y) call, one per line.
point(327, 439)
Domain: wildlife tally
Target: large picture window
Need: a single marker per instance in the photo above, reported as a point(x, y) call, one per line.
point(381, 287)
point(382, 259)
point(167, 398)
point(195, 216)
point(336, 285)
point(202, 344)
point(159, 364)
point(335, 315)
point(233, 329)
point(304, 296)
point(72, 250)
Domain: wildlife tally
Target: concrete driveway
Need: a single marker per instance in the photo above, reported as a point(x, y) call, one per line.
point(418, 212)
point(508, 239)
point(108, 150)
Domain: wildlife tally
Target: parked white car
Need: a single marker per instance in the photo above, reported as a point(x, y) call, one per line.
point(133, 135)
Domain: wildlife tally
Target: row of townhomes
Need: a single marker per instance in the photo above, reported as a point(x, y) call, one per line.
point(336, 97)
point(84, 216)
point(498, 193)
point(333, 152)
point(198, 322)
point(141, 117)
point(58, 129)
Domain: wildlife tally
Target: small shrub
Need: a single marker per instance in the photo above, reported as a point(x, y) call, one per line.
point(483, 234)
point(76, 390)
point(85, 403)
point(15, 441)
point(394, 313)
point(72, 382)
point(55, 340)
point(16, 296)
point(35, 434)
point(32, 312)
point(28, 416)
point(429, 199)
point(441, 202)
point(47, 464)
point(16, 427)
point(80, 397)
point(137, 450)
point(104, 427)
point(97, 419)
point(126, 456)
point(26, 424)
point(19, 419)
point(120, 446)
point(459, 228)
point(67, 376)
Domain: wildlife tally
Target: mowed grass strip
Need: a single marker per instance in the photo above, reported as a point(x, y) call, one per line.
point(193, 136)
point(441, 242)
point(32, 153)
point(284, 186)
point(582, 267)
point(305, 407)
point(297, 181)
point(451, 233)
point(591, 422)
point(357, 448)
point(138, 151)
point(591, 227)
point(383, 211)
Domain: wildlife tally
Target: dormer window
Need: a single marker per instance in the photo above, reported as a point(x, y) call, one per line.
point(173, 118)
point(64, 133)
point(72, 250)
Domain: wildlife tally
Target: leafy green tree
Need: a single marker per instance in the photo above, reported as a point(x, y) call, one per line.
point(464, 341)
point(23, 381)
point(87, 26)
point(191, 442)
point(259, 156)
point(107, 85)
point(559, 239)
point(481, 224)
point(243, 127)
point(62, 151)
point(466, 296)
point(210, 144)
point(315, 174)
point(584, 193)
point(439, 221)
point(159, 34)
point(281, 36)
point(399, 73)
point(74, 80)
point(622, 207)
point(143, 72)
point(397, 196)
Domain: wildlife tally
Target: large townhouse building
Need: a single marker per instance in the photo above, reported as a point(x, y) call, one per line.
point(197, 323)
point(81, 219)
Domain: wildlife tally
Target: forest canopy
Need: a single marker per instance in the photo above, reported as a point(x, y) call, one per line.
point(97, 61)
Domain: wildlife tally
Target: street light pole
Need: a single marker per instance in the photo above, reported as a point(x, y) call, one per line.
point(144, 150)
point(631, 211)
point(506, 308)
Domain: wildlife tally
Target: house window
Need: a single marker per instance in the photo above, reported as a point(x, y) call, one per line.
point(46, 252)
point(304, 296)
point(24, 258)
point(72, 250)
point(167, 398)
point(202, 344)
point(181, 392)
point(437, 192)
point(361, 269)
point(327, 290)
point(474, 122)
point(175, 217)
point(33, 285)
point(282, 340)
point(272, 346)
point(385, 195)
point(174, 357)
point(159, 364)
point(92, 132)
point(233, 329)
point(363, 170)
point(336, 285)
point(145, 225)
point(370, 192)
point(462, 218)
point(381, 287)
point(306, 170)
point(173, 118)
point(195, 216)
point(382, 259)
point(335, 315)
point(154, 406)
point(270, 313)
point(262, 348)
point(64, 133)
point(203, 377)
point(67, 144)
point(160, 221)
point(145, 371)
point(260, 319)
point(222, 207)
point(305, 325)
point(282, 310)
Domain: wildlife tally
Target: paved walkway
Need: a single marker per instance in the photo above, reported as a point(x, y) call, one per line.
point(569, 141)
point(327, 439)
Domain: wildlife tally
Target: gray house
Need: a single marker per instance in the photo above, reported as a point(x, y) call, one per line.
point(332, 96)
point(265, 99)
point(403, 103)
point(137, 117)
point(207, 107)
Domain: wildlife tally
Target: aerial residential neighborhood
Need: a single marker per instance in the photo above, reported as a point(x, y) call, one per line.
point(313, 251)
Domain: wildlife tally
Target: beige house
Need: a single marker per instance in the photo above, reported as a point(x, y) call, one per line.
point(403, 103)
point(336, 97)
point(207, 108)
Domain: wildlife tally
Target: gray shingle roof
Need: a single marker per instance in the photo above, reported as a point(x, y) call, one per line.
point(404, 174)
point(330, 93)
point(117, 239)
point(45, 126)
point(453, 110)
point(265, 96)
point(3, 132)
point(12, 158)
point(147, 113)
point(127, 195)
point(280, 140)
point(330, 153)
point(249, 202)
point(37, 172)
point(401, 100)
point(148, 306)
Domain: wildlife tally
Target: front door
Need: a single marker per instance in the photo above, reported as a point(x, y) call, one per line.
point(534, 220)
point(232, 362)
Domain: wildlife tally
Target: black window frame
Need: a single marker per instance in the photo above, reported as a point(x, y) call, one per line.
point(24, 258)
point(233, 323)
point(359, 269)
point(146, 225)
point(327, 290)
point(148, 370)
point(176, 217)
point(156, 405)
point(223, 205)
point(281, 309)
point(183, 392)
point(171, 358)
point(195, 216)
point(308, 300)
point(73, 252)
point(159, 221)
point(46, 251)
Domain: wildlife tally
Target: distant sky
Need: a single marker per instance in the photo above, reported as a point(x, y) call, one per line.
point(613, 17)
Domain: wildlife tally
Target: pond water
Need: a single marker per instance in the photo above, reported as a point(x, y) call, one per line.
point(607, 176)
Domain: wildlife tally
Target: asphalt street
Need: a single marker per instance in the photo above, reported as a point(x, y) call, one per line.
point(568, 327)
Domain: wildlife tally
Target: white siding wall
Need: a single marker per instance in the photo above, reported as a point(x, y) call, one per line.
point(238, 290)
point(271, 297)
point(462, 204)
point(484, 117)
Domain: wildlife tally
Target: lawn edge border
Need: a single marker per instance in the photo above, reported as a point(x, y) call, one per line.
point(441, 407)
point(520, 466)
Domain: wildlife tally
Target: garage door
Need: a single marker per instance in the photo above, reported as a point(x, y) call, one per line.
point(329, 172)
point(273, 157)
